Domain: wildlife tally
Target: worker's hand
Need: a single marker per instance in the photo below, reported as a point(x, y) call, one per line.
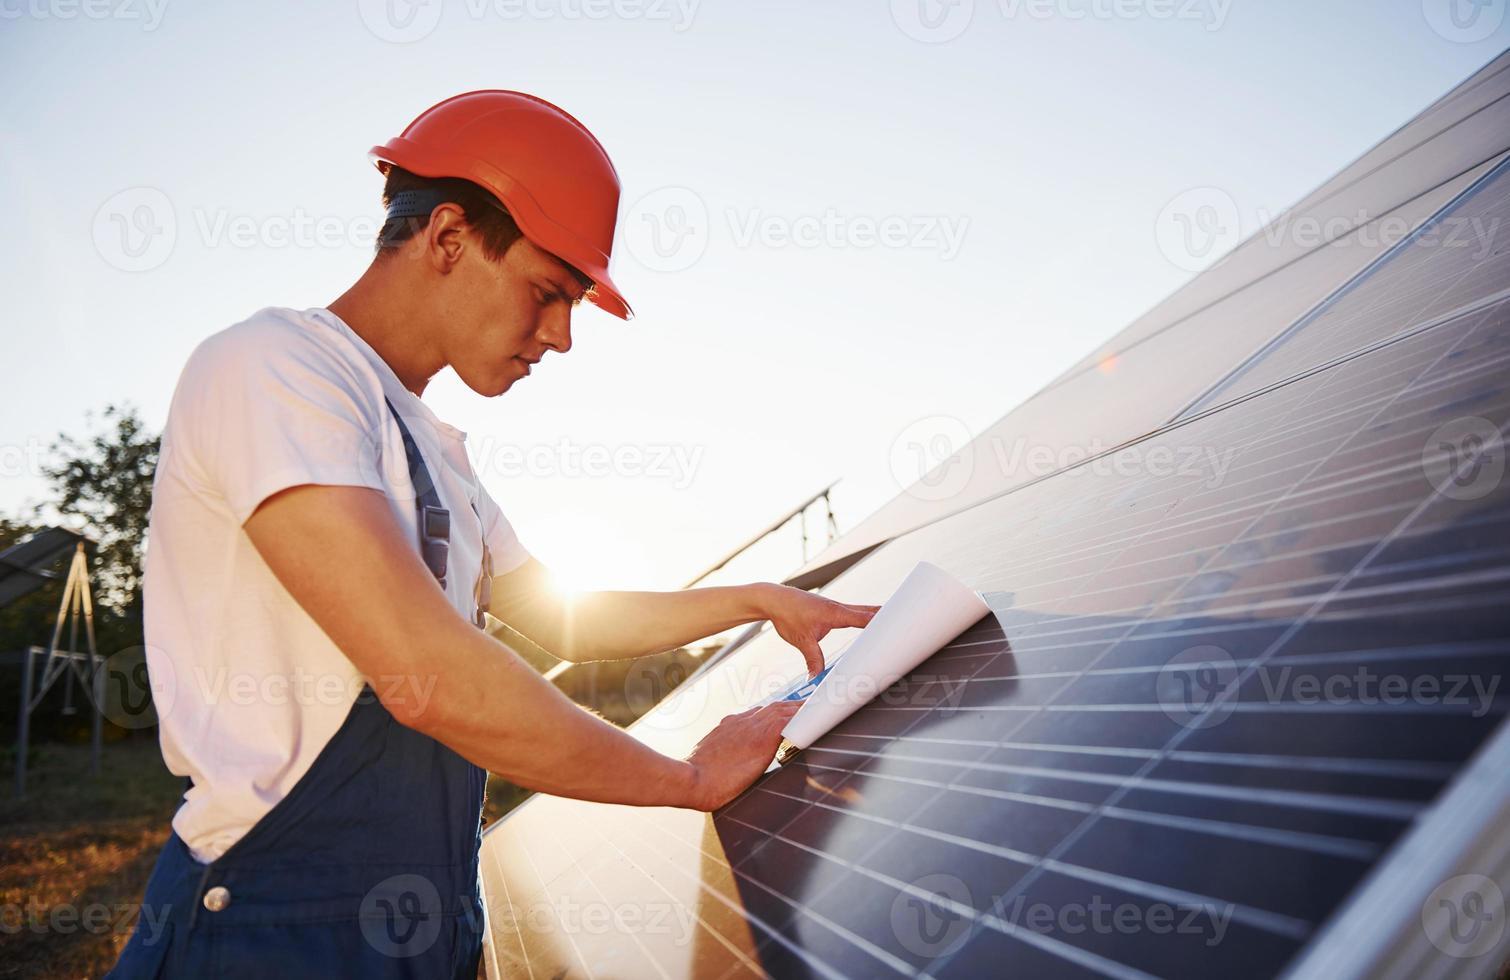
point(802, 619)
point(733, 755)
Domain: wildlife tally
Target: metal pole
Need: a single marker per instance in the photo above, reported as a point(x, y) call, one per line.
point(23, 722)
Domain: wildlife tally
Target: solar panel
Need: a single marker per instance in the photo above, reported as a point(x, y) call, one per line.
point(1452, 262)
point(1229, 666)
point(1167, 358)
point(30, 564)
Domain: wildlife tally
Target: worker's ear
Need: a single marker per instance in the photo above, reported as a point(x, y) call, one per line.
point(445, 236)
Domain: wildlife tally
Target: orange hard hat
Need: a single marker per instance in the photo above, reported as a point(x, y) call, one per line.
point(552, 175)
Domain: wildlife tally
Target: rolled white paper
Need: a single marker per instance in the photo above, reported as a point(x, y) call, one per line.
point(930, 608)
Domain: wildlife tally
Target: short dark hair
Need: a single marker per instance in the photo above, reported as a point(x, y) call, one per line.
point(483, 212)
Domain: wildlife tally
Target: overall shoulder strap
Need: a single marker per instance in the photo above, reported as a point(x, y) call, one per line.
point(434, 520)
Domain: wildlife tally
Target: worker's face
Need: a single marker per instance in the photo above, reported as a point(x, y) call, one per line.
point(500, 315)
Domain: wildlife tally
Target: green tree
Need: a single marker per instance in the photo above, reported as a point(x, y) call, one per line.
point(102, 486)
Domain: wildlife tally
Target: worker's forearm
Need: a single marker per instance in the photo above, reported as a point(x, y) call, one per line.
point(616, 625)
point(486, 704)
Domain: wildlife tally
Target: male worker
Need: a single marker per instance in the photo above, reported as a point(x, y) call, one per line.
point(321, 558)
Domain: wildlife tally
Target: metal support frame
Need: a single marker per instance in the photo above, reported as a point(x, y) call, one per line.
point(69, 664)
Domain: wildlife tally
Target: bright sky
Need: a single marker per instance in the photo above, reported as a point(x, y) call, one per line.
point(839, 218)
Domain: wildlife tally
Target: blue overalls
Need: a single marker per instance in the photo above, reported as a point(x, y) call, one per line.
point(368, 868)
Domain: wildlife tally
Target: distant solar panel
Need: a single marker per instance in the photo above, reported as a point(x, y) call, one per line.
point(30, 564)
point(1230, 665)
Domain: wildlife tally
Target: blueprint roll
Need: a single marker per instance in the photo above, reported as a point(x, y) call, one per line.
point(930, 608)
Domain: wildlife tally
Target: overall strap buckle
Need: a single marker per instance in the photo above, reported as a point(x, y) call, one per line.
point(435, 526)
point(434, 520)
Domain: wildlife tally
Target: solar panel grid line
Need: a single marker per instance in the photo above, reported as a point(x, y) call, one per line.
point(1179, 736)
point(1322, 843)
point(1404, 768)
point(734, 951)
point(617, 912)
point(860, 942)
point(571, 939)
point(773, 934)
point(1342, 656)
point(1387, 809)
point(492, 940)
point(1099, 964)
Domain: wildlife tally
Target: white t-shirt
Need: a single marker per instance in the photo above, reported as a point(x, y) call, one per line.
point(248, 688)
